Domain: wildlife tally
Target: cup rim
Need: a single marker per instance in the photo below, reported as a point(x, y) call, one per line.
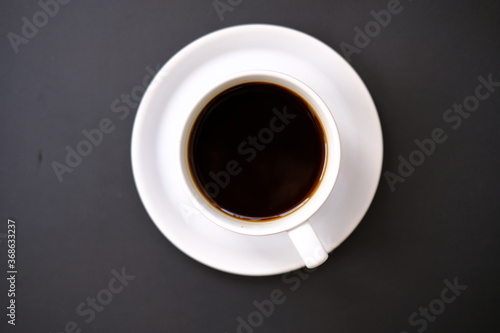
point(322, 190)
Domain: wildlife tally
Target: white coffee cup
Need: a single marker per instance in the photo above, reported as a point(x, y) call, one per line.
point(296, 223)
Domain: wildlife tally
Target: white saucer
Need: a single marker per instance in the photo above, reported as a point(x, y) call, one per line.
point(193, 71)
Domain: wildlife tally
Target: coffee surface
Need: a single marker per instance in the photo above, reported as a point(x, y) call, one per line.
point(257, 151)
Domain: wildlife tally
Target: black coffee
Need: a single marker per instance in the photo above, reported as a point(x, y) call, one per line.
point(257, 151)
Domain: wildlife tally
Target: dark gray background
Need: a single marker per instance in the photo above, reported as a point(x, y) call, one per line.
point(441, 223)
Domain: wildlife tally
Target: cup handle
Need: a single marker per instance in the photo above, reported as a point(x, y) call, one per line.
point(308, 245)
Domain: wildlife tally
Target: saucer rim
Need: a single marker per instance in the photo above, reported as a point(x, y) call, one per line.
point(153, 90)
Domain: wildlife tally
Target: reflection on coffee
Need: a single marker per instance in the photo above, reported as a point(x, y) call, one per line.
point(257, 151)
